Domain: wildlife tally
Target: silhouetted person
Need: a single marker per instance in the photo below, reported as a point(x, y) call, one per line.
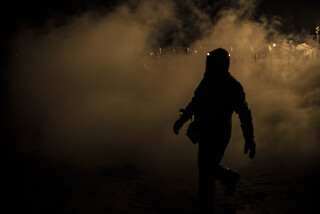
point(218, 95)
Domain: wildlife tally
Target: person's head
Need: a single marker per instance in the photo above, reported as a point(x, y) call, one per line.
point(218, 62)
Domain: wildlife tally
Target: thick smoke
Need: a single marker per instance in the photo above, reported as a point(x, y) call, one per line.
point(94, 93)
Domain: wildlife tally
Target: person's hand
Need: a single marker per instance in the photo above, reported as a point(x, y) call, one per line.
point(177, 126)
point(250, 146)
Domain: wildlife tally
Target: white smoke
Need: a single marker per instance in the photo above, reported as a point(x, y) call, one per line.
point(89, 93)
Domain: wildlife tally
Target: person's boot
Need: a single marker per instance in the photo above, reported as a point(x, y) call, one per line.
point(231, 183)
point(229, 179)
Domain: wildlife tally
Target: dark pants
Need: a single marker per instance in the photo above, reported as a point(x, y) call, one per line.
point(210, 153)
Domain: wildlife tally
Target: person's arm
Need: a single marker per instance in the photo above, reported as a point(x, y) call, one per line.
point(245, 117)
point(185, 116)
point(188, 112)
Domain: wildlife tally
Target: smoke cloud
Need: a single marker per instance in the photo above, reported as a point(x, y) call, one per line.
point(96, 93)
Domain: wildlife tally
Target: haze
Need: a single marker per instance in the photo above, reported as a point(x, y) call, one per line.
point(89, 93)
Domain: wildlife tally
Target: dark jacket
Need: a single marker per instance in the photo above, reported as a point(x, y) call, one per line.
point(213, 104)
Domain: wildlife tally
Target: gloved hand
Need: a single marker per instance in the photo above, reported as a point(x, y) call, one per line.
point(177, 126)
point(250, 145)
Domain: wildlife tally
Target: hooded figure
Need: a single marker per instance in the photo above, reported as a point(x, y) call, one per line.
point(218, 95)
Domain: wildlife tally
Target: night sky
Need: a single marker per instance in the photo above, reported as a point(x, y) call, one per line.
point(295, 14)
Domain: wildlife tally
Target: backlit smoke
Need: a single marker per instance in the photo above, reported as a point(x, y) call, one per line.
point(100, 92)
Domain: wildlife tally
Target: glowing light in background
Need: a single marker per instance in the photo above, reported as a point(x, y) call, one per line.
point(317, 32)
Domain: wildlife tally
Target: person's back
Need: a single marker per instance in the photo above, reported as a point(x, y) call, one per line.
point(216, 98)
point(214, 103)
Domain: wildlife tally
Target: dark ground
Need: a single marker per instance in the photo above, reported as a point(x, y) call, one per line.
point(35, 185)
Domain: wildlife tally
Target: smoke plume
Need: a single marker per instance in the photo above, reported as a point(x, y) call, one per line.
point(98, 91)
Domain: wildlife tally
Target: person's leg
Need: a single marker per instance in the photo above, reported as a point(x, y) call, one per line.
point(209, 157)
point(206, 189)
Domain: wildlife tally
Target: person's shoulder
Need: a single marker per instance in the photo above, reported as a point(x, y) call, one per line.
point(235, 83)
point(201, 87)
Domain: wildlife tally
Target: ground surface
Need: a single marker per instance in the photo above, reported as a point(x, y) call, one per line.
point(41, 187)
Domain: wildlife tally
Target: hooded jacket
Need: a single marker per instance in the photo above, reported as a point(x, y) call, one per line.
point(218, 95)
